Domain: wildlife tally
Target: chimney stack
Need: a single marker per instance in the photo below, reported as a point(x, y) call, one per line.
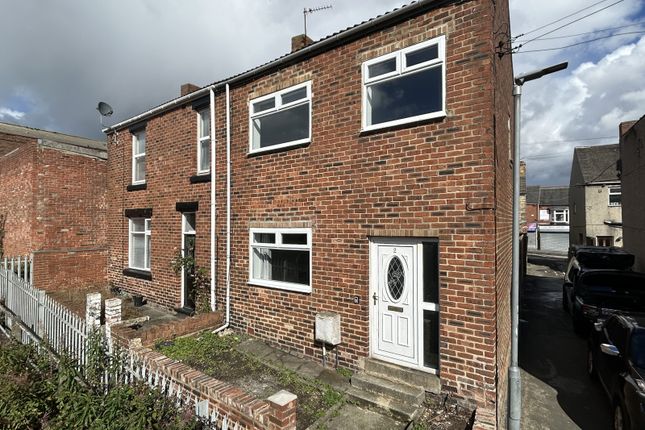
point(188, 88)
point(300, 41)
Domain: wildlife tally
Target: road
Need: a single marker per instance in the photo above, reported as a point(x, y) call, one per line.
point(556, 392)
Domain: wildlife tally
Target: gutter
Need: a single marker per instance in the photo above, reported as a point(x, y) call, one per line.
point(344, 36)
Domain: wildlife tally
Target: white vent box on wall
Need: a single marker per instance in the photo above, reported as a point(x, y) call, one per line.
point(328, 328)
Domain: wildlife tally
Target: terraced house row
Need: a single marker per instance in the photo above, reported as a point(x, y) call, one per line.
point(368, 175)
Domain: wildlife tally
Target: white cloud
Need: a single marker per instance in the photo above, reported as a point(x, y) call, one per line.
point(10, 113)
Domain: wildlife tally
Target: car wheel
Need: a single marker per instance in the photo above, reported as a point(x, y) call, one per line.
point(565, 302)
point(620, 418)
point(591, 364)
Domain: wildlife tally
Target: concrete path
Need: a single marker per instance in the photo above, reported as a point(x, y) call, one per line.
point(556, 392)
point(349, 416)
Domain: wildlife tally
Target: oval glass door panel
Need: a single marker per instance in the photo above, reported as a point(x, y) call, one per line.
point(395, 278)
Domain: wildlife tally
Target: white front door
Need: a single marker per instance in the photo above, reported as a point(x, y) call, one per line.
point(393, 301)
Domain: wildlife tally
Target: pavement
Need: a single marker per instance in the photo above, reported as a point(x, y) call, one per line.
point(348, 416)
point(556, 391)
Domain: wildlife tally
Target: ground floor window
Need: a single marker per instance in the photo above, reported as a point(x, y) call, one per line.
point(280, 258)
point(139, 252)
point(605, 241)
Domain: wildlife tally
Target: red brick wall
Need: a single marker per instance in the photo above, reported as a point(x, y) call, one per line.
point(17, 172)
point(70, 269)
point(531, 213)
point(171, 159)
point(70, 200)
point(504, 127)
point(439, 176)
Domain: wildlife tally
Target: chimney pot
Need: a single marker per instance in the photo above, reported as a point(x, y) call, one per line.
point(188, 88)
point(300, 41)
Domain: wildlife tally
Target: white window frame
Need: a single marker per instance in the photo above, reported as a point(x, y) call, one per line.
point(136, 156)
point(201, 138)
point(401, 70)
point(612, 192)
point(288, 286)
point(278, 106)
point(146, 233)
point(564, 212)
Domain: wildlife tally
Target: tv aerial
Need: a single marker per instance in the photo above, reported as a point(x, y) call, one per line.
point(104, 110)
point(310, 10)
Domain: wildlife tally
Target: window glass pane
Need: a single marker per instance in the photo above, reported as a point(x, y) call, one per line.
point(147, 266)
point(138, 224)
point(292, 96)
point(263, 105)
point(138, 250)
point(264, 237)
point(148, 224)
point(189, 222)
point(381, 68)
point(422, 55)
point(140, 143)
point(140, 168)
point(281, 127)
point(281, 265)
point(430, 272)
point(294, 238)
point(431, 339)
point(407, 96)
point(204, 123)
point(205, 155)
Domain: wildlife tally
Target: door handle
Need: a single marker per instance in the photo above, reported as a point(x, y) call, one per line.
point(375, 297)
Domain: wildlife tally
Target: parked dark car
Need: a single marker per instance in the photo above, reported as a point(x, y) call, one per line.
point(616, 356)
point(598, 281)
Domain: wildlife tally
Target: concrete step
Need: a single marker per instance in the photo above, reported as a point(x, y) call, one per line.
point(396, 408)
point(381, 369)
point(388, 388)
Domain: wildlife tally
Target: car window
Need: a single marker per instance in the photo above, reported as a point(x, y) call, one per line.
point(637, 349)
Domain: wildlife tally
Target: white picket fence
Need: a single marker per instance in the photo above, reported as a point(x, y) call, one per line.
point(21, 265)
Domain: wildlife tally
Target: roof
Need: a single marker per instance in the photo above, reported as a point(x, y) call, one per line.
point(60, 141)
point(554, 196)
point(329, 42)
point(598, 163)
point(533, 194)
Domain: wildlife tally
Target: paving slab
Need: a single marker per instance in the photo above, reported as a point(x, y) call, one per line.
point(352, 417)
point(255, 348)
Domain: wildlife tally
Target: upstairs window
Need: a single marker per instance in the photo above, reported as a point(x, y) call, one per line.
point(280, 119)
point(281, 258)
point(405, 86)
point(560, 216)
point(139, 254)
point(139, 157)
point(614, 196)
point(204, 141)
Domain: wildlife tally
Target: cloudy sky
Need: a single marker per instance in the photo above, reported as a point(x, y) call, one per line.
point(60, 57)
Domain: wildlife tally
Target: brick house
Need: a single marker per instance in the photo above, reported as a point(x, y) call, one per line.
point(632, 178)
point(367, 174)
point(53, 202)
point(595, 197)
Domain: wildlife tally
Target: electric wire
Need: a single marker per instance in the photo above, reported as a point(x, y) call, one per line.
point(579, 43)
point(593, 32)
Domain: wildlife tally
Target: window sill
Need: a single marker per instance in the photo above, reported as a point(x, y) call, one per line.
point(279, 148)
point(137, 187)
point(403, 123)
point(138, 273)
point(283, 286)
point(201, 178)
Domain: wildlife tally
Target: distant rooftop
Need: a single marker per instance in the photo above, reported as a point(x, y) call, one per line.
point(547, 196)
point(598, 163)
point(61, 141)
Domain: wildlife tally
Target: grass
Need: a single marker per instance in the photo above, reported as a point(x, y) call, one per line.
point(216, 356)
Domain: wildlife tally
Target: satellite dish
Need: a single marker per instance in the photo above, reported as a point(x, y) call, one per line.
point(104, 109)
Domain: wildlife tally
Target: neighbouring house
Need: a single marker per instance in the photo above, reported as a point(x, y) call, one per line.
point(522, 194)
point(547, 216)
point(366, 175)
point(632, 178)
point(595, 198)
point(53, 205)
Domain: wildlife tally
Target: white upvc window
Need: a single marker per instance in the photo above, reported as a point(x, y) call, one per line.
point(280, 258)
point(405, 86)
point(281, 119)
point(139, 157)
point(139, 254)
point(615, 196)
point(203, 141)
point(560, 216)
